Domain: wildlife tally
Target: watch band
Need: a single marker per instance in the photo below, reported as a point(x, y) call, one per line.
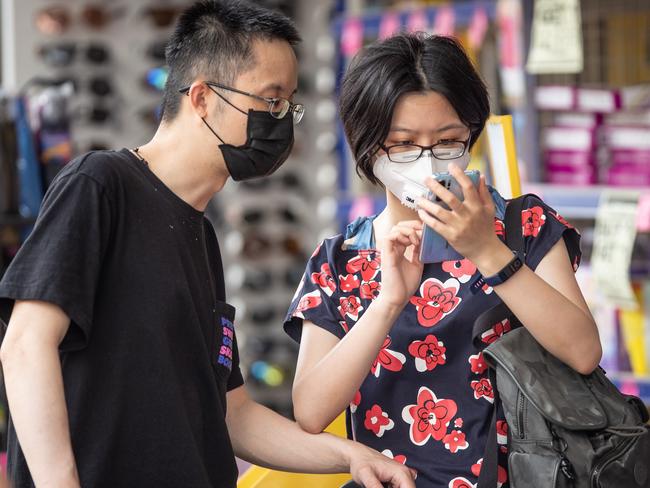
point(499, 278)
point(509, 269)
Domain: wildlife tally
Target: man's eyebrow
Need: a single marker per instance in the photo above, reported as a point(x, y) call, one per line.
point(276, 87)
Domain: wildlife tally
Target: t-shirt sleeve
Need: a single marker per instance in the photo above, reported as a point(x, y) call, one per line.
point(236, 379)
point(542, 228)
point(317, 298)
point(61, 260)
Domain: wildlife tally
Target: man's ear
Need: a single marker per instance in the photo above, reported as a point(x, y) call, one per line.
point(198, 96)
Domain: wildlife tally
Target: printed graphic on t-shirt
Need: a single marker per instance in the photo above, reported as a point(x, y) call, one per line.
point(225, 351)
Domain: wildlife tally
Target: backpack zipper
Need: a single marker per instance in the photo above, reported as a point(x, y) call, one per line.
point(606, 461)
point(521, 401)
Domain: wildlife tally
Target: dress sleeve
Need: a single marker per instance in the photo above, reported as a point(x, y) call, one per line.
point(61, 261)
point(542, 227)
point(317, 298)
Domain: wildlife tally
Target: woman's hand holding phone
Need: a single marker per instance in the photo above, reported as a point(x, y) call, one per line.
point(467, 225)
point(401, 268)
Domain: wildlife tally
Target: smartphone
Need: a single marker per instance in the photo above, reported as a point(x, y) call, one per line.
point(434, 248)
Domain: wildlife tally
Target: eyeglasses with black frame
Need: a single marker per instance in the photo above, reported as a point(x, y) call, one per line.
point(443, 150)
point(278, 107)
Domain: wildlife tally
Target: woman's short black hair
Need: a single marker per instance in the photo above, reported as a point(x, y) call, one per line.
point(213, 38)
point(406, 63)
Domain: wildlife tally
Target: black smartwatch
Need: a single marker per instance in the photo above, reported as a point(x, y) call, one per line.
point(502, 276)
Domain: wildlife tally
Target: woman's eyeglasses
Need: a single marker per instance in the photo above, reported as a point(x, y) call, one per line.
point(278, 107)
point(444, 150)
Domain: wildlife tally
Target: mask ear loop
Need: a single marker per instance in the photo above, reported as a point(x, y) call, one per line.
point(229, 103)
point(212, 130)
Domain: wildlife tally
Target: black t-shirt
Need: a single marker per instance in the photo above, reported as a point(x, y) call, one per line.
point(150, 352)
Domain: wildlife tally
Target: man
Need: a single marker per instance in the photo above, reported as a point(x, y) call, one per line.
point(120, 357)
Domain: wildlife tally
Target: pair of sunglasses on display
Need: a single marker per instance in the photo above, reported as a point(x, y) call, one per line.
point(57, 19)
point(155, 78)
point(264, 280)
point(151, 115)
point(63, 54)
point(266, 347)
point(265, 315)
point(284, 181)
point(162, 16)
point(257, 245)
point(269, 373)
point(256, 216)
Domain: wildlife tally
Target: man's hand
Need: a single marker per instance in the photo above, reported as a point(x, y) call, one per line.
point(371, 469)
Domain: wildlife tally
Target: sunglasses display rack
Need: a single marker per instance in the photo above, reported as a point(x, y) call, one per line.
point(271, 226)
point(112, 52)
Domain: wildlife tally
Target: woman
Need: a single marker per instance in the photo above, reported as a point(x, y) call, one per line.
point(391, 338)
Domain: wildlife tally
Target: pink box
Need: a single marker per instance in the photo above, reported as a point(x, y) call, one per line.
point(637, 159)
point(600, 100)
point(571, 176)
point(622, 176)
point(555, 97)
point(573, 159)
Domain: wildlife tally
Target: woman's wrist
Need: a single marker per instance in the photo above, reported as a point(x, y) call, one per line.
point(493, 258)
point(388, 308)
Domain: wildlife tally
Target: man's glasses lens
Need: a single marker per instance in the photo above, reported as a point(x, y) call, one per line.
point(280, 107)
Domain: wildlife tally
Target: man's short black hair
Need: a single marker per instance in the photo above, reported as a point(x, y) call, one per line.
point(213, 38)
point(406, 63)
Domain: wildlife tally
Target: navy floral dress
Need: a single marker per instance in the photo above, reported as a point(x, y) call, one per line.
point(427, 400)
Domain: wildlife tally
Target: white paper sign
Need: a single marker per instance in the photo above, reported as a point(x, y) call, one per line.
point(556, 42)
point(613, 242)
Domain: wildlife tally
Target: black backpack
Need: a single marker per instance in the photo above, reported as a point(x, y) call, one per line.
point(564, 429)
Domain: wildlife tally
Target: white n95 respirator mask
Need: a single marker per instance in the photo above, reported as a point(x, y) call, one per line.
point(406, 180)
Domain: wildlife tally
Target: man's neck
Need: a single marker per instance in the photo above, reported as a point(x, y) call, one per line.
point(192, 175)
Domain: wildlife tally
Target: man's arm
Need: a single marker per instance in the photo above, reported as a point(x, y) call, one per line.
point(34, 384)
point(265, 438)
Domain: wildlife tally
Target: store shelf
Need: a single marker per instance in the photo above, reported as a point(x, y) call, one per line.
point(575, 202)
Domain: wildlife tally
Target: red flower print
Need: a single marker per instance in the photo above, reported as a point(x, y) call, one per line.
point(400, 458)
point(502, 474)
point(428, 353)
point(436, 300)
point(461, 482)
point(562, 220)
point(429, 418)
point(497, 330)
point(377, 421)
point(391, 360)
point(503, 449)
point(458, 423)
point(350, 306)
point(499, 228)
point(483, 389)
point(308, 301)
point(366, 263)
point(455, 441)
point(324, 279)
point(355, 402)
point(370, 290)
point(532, 221)
point(502, 432)
point(477, 363)
point(463, 270)
point(348, 282)
point(487, 289)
